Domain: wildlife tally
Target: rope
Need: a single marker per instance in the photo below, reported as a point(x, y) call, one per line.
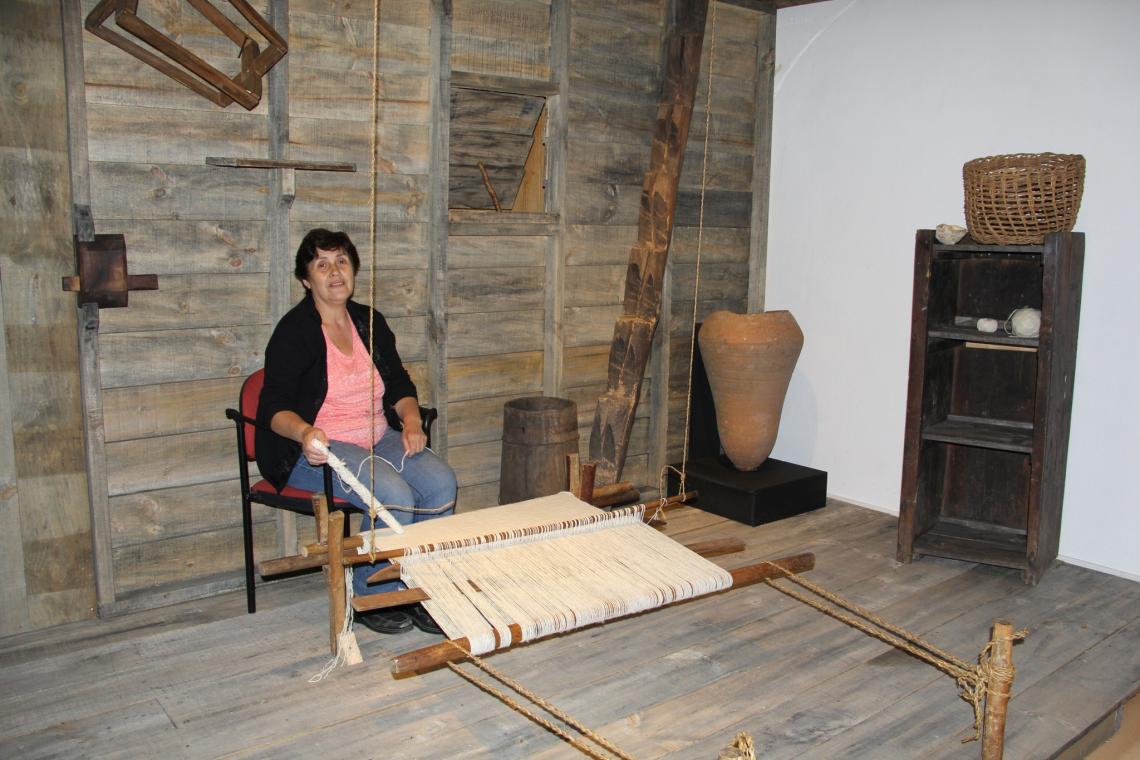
point(372, 194)
point(347, 652)
point(697, 278)
point(974, 681)
point(535, 699)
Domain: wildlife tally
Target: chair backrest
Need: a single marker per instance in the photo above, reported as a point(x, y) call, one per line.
point(247, 405)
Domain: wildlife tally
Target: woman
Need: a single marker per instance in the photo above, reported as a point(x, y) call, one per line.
point(321, 386)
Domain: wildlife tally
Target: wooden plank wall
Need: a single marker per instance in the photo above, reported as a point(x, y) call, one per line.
point(45, 537)
point(495, 274)
point(173, 360)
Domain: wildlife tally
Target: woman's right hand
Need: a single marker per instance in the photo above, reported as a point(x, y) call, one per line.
point(314, 455)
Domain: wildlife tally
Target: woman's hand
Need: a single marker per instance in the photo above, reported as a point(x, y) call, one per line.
point(408, 409)
point(414, 438)
point(315, 456)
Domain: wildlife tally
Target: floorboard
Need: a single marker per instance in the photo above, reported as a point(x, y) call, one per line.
point(203, 679)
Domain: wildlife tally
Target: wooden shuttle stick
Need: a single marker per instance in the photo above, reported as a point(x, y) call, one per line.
point(354, 483)
point(452, 650)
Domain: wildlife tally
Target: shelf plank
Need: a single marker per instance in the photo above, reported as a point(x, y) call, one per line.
point(480, 222)
point(975, 542)
point(967, 331)
point(1004, 435)
point(279, 163)
point(966, 245)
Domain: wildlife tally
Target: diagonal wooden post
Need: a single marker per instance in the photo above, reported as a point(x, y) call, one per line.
point(633, 333)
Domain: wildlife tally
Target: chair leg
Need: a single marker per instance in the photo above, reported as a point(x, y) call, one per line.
point(247, 538)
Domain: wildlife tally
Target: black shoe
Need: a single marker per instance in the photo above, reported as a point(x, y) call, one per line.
point(385, 621)
point(422, 620)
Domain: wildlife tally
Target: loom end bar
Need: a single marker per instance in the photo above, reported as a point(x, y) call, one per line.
point(437, 655)
point(388, 599)
point(772, 569)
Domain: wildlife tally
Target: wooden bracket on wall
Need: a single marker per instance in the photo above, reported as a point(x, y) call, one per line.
point(103, 278)
point(184, 66)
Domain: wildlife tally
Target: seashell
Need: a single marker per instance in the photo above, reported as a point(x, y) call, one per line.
point(949, 234)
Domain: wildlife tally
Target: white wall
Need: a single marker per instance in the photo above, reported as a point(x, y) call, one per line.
point(878, 105)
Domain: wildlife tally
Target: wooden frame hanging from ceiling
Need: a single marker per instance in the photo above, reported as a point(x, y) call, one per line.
point(184, 66)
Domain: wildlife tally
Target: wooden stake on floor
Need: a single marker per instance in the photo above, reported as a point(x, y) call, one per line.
point(999, 686)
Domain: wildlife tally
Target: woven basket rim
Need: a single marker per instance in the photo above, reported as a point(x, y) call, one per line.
point(1023, 161)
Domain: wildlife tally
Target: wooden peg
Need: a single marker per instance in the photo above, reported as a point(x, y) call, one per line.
point(334, 529)
point(999, 685)
point(573, 475)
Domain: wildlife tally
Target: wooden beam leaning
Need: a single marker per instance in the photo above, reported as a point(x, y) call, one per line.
point(453, 650)
point(633, 333)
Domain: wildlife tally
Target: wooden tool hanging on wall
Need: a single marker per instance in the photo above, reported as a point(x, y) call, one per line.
point(633, 333)
point(103, 278)
point(183, 66)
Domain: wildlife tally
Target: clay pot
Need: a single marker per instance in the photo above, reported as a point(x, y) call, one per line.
point(749, 360)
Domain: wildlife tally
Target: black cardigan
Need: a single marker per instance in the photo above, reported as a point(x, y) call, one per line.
point(296, 379)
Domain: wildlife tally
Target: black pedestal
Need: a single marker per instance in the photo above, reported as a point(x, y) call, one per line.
point(772, 492)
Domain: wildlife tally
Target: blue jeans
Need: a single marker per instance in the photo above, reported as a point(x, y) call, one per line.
point(424, 482)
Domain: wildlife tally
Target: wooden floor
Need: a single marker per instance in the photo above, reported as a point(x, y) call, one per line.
point(205, 680)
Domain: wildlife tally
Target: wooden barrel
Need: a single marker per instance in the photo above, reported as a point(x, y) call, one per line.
point(538, 433)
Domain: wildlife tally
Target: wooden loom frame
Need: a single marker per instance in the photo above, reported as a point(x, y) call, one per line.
point(334, 553)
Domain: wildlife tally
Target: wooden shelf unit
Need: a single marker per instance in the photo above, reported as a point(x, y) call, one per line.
point(987, 424)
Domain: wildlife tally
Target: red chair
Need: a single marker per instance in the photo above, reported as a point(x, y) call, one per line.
point(288, 498)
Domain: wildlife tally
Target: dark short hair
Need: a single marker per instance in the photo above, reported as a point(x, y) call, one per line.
point(325, 240)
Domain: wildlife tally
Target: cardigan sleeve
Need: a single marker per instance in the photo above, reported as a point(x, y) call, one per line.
point(284, 368)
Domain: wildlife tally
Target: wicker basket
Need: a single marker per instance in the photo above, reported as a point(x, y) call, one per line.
point(1016, 199)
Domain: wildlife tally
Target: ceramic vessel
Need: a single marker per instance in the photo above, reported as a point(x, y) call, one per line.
point(749, 360)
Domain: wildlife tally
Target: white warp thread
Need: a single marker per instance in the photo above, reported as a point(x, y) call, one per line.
point(555, 580)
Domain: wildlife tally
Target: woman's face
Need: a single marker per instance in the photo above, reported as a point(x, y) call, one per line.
point(331, 278)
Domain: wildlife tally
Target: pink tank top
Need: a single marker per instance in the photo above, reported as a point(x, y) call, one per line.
point(344, 416)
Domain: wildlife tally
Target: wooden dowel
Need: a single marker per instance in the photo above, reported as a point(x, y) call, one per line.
point(390, 572)
point(444, 652)
point(489, 186)
point(999, 687)
point(335, 576)
point(573, 475)
point(317, 556)
point(614, 498)
point(388, 599)
point(609, 491)
point(321, 514)
point(716, 547)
